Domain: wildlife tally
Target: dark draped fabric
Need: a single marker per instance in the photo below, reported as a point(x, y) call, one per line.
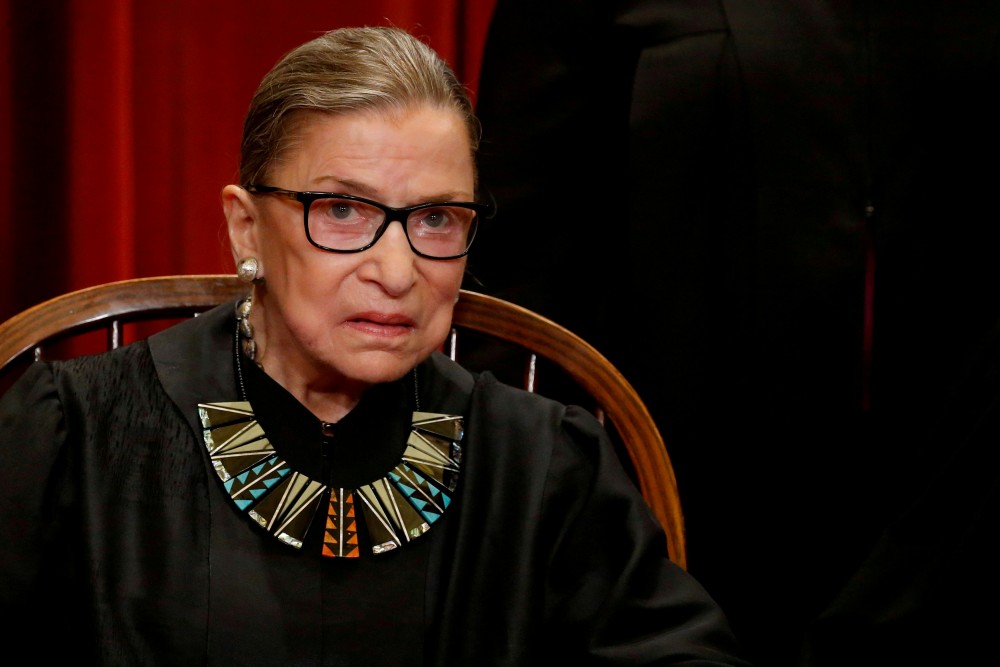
point(120, 123)
point(778, 218)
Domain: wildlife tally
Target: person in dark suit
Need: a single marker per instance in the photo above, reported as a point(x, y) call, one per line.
point(773, 216)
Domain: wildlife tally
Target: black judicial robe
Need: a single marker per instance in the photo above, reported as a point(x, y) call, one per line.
point(121, 543)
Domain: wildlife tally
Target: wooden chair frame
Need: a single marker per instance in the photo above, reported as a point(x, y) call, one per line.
point(111, 305)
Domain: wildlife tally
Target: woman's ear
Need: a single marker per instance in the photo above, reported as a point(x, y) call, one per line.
point(242, 220)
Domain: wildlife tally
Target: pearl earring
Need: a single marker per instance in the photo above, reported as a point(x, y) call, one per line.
point(248, 269)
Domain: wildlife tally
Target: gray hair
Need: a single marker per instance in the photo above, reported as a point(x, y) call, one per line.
point(375, 69)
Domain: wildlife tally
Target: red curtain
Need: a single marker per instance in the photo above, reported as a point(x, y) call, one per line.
point(120, 123)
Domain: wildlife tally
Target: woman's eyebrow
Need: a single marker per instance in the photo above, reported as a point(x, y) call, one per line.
point(335, 184)
point(348, 186)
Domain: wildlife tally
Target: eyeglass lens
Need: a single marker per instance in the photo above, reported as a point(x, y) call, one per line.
point(345, 224)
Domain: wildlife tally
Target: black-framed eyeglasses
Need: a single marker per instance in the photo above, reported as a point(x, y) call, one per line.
point(345, 223)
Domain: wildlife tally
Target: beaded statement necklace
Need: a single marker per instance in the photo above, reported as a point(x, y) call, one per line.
point(395, 509)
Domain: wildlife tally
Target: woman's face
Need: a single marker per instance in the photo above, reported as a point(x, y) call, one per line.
point(342, 322)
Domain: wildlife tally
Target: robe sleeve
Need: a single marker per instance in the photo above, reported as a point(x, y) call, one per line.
point(611, 589)
point(36, 502)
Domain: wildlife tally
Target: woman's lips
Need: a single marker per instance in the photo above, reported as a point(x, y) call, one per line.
point(381, 324)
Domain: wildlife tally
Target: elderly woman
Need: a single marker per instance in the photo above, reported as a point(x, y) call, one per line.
point(299, 478)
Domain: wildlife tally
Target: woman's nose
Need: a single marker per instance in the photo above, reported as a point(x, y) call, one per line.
point(391, 262)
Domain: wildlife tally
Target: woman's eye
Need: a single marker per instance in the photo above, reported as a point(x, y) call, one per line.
point(435, 218)
point(341, 211)
point(344, 211)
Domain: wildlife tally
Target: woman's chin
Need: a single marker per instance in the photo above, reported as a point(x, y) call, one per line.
point(379, 367)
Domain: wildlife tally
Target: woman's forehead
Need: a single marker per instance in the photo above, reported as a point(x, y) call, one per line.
point(370, 152)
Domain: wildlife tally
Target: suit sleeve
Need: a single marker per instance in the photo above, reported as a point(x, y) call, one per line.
point(554, 111)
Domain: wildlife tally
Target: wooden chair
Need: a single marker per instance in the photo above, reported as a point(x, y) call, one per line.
point(28, 336)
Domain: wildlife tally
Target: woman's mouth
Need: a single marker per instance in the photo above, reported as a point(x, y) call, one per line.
point(381, 324)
